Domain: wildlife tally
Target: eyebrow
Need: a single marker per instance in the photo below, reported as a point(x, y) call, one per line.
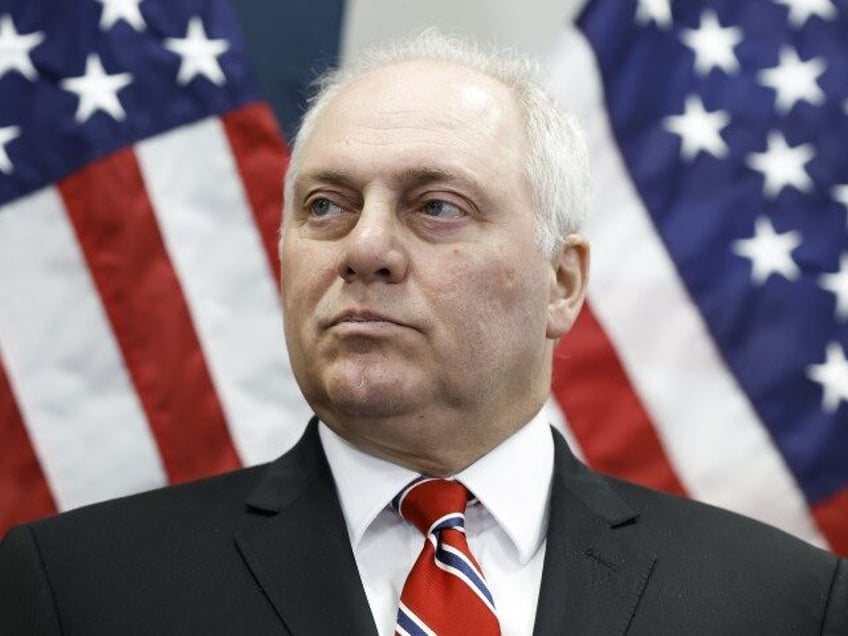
point(333, 177)
point(416, 177)
point(410, 178)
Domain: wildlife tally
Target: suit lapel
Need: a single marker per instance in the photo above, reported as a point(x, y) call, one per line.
point(296, 545)
point(593, 578)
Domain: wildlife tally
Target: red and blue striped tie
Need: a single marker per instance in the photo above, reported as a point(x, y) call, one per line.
point(445, 593)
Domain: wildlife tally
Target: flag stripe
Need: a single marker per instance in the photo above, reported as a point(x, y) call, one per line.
point(261, 159)
point(615, 432)
point(24, 494)
point(719, 449)
point(148, 315)
point(263, 185)
point(220, 261)
point(72, 387)
point(832, 517)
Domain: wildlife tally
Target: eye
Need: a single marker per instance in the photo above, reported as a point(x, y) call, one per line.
point(442, 209)
point(322, 206)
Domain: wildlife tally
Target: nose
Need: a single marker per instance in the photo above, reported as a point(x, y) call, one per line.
point(372, 251)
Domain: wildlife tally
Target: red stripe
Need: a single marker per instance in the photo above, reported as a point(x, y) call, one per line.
point(117, 229)
point(831, 515)
point(24, 493)
point(603, 410)
point(262, 158)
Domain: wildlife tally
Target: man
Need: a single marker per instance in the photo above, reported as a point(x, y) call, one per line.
point(430, 261)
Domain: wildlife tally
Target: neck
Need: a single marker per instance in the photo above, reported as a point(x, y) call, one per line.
point(429, 446)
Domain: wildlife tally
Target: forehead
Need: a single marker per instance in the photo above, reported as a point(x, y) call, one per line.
point(422, 112)
point(429, 84)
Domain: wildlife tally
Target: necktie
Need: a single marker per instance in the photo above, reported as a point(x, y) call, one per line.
point(445, 593)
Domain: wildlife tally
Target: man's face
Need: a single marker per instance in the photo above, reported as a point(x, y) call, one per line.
point(415, 296)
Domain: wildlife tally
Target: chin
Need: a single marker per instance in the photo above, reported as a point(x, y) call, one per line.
point(371, 395)
point(373, 402)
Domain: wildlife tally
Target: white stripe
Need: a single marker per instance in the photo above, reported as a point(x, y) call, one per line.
point(80, 408)
point(717, 444)
point(218, 255)
point(461, 575)
point(415, 619)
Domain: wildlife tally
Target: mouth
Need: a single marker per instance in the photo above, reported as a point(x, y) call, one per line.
point(355, 319)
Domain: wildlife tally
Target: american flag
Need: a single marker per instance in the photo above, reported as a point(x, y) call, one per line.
point(140, 330)
point(140, 190)
point(719, 291)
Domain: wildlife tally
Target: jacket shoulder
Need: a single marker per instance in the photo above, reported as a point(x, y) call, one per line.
point(697, 526)
point(726, 568)
point(155, 562)
point(202, 500)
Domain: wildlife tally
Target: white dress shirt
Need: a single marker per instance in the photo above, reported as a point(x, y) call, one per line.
point(506, 530)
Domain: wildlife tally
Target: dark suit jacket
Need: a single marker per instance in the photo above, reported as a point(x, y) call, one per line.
point(265, 551)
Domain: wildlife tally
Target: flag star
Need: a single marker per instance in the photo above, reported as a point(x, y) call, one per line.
point(801, 10)
point(15, 49)
point(713, 44)
point(656, 11)
point(794, 80)
point(769, 252)
point(127, 10)
point(699, 129)
point(97, 90)
point(199, 53)
point(7, 134)
point(838, 284)
point(840, 195)
point(782, 166)
point(832, 374)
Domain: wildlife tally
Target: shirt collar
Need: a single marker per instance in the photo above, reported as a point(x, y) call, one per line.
point(365, 484)
point(512, 481)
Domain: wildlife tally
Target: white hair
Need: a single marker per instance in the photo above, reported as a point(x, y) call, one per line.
point(557, 159)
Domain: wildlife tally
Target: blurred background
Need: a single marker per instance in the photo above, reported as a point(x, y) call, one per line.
point(142, 149)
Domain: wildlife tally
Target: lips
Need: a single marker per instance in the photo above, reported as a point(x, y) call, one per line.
point(364, 317)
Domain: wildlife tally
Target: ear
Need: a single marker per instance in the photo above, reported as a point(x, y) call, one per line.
point(569, 275)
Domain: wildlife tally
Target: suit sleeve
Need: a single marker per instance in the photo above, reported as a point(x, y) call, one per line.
point(836, 615)
point(26, 599)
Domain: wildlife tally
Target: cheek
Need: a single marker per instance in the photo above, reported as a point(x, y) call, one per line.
point(306, 274)
point(516, 306)
point(516, 280)
point(493, 299)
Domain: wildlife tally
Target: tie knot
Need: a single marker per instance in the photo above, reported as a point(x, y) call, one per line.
point(433, 504)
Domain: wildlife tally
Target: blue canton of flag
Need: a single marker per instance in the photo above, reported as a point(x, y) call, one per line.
point(732, 119)
point(82, 79)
